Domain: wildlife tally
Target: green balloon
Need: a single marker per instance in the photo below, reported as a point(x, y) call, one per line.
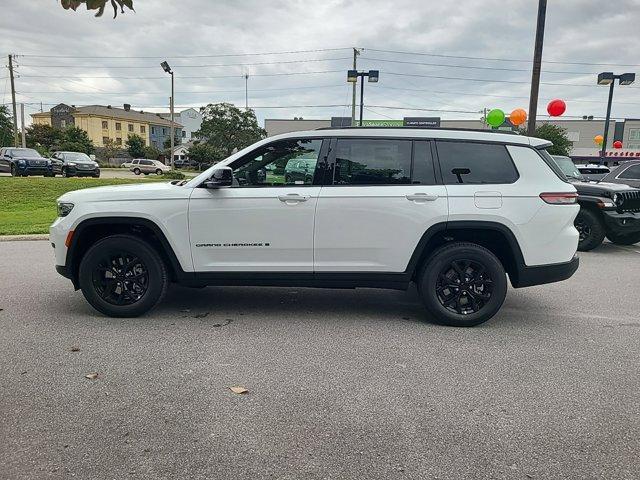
point(495, 118)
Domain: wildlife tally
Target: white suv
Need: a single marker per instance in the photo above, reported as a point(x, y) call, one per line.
point(453, 211)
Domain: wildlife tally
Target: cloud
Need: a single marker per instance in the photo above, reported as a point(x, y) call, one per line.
point(576, 31)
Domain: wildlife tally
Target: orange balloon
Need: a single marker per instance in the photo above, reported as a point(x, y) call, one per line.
point(598, 139)
point(518, 117)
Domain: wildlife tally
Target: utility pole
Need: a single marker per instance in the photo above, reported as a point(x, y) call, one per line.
point(13, 102)
point(537, 62)
point(246, 92)
point(356, 52)
point(24, 139)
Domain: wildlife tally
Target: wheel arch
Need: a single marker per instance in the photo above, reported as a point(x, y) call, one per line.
point(88, 231)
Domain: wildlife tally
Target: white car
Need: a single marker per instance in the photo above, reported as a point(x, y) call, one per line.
point(143, 165)
point(453, 211)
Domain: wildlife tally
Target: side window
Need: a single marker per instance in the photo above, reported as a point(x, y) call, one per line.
point(633, 172)
point(372, 162)
point(475, 163)
point(146, 162)
point(287, 162)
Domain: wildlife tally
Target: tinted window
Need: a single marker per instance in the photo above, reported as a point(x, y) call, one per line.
point(470, 162)
point(372, 162)
point(24, 152)
point(146, 162)
point(632, 172)
point(287, 162)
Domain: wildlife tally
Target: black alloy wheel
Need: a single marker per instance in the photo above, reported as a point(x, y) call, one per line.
point(123, 276)
point(120, 278)
point(584, 229)
point(591, 231)
point(464, 286)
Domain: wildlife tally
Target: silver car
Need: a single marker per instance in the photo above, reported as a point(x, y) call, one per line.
point(141, 165)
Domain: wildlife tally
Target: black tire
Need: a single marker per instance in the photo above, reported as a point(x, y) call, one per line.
point(140, 271)
point(626, 239)
point(14, 171)
point(158, 172)
point(590, 228)
point(65, 173)
point(136, 171)
point(476, 288)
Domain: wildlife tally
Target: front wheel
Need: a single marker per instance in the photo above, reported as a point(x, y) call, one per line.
point(123, 276)
point(136, 171)
point(625, 239)
point(462, 285)
point(590, 229)
point(158, 172)
point(14, 171)
point(65, 173)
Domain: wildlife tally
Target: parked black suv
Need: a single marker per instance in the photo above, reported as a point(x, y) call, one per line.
point(606, 209)
point(22, 162)
point(74, 164)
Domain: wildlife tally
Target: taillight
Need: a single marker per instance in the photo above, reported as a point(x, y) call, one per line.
point(559, 198)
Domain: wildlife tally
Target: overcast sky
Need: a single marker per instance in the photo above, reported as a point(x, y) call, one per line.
point(198, 38)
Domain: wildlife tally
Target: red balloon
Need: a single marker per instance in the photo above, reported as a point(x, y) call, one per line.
point(556, 107)
point(617, 144)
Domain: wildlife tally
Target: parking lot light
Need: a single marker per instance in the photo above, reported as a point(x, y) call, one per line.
point(609, 78)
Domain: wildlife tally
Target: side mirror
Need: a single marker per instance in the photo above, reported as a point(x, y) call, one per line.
point(221, 177)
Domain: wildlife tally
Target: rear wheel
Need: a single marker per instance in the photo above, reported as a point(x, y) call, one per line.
point(462, 285)
point(123, 276)
point(590, 229)
point(627, 239)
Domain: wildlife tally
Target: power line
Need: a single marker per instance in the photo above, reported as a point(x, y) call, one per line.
point(279, 62)
point(317, 72)
point(184, 92)
point(440, 55)
point(218, 55)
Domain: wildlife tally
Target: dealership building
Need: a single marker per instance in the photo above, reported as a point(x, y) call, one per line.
point(580, 132)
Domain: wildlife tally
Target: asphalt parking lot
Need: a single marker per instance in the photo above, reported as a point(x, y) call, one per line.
point(342, 383)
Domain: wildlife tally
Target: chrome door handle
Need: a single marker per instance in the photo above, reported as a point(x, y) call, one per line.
point(422, 197)
point(292, 198)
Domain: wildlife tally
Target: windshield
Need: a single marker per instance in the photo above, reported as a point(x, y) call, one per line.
point(568, 167)
point(77, 157)
point(25, 152)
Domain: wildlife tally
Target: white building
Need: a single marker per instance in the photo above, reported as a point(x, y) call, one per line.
point(190, 119)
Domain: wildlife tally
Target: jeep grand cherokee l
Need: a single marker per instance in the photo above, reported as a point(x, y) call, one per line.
point(456, 212)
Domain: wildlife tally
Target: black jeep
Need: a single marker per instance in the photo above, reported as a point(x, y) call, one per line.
point(606, 209)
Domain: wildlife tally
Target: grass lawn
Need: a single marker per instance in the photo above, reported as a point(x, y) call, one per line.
point(28, 205)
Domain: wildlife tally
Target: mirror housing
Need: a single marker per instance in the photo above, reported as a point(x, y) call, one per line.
point(221, 177)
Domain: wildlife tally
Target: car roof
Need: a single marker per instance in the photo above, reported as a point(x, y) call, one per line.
point(430, 133)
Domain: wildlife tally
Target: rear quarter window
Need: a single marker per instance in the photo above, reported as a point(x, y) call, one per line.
point(475, 163)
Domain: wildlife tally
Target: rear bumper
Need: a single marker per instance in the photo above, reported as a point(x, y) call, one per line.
point(621, 223)
point(541, 274)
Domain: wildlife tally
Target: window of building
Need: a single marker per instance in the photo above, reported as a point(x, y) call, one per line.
point(287, 162)
point(105, 140)
point(633, 142)
point(118, 126)
point(184, 134)
point(143, 129)
point(633, 172)
point(475, 163)
point(130, 126)
point(164, 131)
point(63, 123)
point(105, 124)
point(372, 162)
point(118, 141)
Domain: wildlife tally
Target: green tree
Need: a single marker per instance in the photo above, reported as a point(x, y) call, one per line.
point(556, 135)
point(151, 152)
point(74, 139)
point(6, 127)
point(204, 153)
point(42, 135)
point(98, 5)
point(227, 128)
point(135, 146)
point(110, 150)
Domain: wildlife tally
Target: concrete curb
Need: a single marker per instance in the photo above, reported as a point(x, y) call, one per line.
point(23, 238)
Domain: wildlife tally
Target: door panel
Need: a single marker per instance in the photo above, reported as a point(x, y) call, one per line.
point(252, 229)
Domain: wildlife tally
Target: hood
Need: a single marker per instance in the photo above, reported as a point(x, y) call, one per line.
point(129, 192)
point(600, 189)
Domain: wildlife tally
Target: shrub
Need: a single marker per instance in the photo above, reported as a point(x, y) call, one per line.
point(174, 175)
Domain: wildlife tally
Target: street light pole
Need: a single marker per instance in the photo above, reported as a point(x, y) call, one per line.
point(609, 78)
point(353, 76)
point(165, 66)
point(361, 98)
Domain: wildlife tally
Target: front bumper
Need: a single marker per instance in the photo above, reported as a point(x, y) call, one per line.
point(81, 172)
point(34, 169)
point(621, 223)
point(541, 274)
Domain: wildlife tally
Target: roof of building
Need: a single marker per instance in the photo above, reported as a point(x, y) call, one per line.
point(120, 113)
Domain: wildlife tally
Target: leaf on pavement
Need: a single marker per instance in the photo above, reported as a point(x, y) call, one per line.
point(239, 390)
point(75, 349)
point(91, 376)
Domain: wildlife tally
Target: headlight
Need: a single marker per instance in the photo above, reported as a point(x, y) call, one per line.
point(64, 209)
point(71, 164)
point(21, 162)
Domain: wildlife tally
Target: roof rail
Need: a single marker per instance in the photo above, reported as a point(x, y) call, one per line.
point(481, 130)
